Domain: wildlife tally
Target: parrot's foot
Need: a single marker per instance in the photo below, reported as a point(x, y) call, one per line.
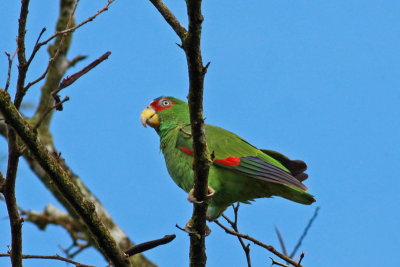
point(193, 199)
point(189, 228)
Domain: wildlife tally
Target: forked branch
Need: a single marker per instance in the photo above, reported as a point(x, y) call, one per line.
point(259, 243)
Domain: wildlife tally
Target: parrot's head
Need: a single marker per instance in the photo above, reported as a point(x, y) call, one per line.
point(165, 112)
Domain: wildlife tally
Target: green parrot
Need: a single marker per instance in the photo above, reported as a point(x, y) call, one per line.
point(239, 172)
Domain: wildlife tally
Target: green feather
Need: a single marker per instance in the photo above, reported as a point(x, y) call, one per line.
point(261, 173)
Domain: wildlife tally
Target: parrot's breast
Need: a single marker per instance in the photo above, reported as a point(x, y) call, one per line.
point(178, 163)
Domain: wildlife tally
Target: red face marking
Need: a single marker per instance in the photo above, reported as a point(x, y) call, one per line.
point(229, 161)
point(161, 104)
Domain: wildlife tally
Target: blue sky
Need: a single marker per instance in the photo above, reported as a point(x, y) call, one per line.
point(316, 80)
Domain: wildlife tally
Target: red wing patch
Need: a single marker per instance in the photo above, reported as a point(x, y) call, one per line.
point(229, 161)
point(187, 151)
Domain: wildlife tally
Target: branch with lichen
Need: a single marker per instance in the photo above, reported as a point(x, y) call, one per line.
point(56, 69)
point(8, 185)
point(82, 206)
point(55, 74)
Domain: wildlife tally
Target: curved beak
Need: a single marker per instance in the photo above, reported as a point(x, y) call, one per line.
point(149, 117)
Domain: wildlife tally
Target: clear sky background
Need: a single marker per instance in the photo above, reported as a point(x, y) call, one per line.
point(316, 80)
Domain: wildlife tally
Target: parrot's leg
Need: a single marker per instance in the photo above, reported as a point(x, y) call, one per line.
point(193, 199)
point(189, 228)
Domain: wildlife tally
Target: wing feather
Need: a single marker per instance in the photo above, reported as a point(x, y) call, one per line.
point(254, 163)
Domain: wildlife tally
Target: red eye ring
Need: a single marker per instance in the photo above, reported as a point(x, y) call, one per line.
point(161, 104)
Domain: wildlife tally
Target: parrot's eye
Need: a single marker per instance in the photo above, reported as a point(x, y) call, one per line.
point(165, 103)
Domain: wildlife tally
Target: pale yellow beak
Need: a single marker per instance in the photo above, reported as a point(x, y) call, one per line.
point(149, 117)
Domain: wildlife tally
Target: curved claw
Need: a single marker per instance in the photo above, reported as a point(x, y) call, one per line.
point(210, 192)
point(189, 229)
point(191, 198)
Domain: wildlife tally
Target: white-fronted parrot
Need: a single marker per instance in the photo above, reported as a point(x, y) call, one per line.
point(239, 172)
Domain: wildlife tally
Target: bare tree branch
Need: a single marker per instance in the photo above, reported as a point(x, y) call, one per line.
point(22, 66)
point(149, 245)
point(170, 18)
point(75, 60)
point(301, 258)
point(202, 159)
point(255, 241)
point(71, 79)
point(83, 207)
point(191, 45)
point(57, 106)
point(36, 47)
point(11, 201)
point(246, 248)
point(54, 216)
point(55, 74)
point(13, 150)
point(305, 232)
point(69, 30)
point(278, 233)
point(274, 262)
point(54, 257)
point(10, 61)
point(58, 50)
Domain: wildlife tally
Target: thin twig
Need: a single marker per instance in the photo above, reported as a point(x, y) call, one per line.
point(305, 232)
point(301, 258)
point(36, 47)
point(75, 60)
point(278, 233)
point(22, 66)
point(54, 257)
point(81, 248)
point(186, 231)
point(246, 248)
point(91, 18)
point(170, 18)
point(51, 61)
point(149, 245)
point(57, 105)
point(54, 216)
point(206, 67)
point(71, 79)
point(255, 241)
point(63, 33)
point(10, 61)
point(67, 82)
point(274, 262)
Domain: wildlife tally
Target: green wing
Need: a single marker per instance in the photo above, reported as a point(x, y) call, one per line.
point(234, 153)
point(241, 172)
